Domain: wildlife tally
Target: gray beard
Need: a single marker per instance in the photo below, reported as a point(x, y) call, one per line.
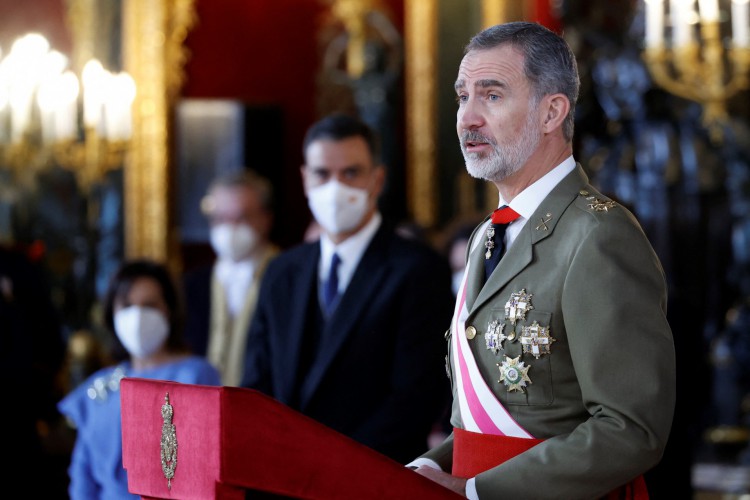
point(503, 161)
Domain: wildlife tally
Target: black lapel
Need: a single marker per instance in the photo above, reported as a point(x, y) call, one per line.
point(366, 281)
point(303, 289)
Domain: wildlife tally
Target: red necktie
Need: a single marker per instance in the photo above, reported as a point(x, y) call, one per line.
point(501, 218)
point(504, 215)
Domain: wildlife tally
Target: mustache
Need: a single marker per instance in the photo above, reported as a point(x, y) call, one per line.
point(475, 136)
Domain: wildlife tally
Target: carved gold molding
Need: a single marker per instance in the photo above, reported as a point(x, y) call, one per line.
point(420, 27)
point(154, 54)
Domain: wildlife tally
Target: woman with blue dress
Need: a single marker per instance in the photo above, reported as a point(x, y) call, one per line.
point(142, 309)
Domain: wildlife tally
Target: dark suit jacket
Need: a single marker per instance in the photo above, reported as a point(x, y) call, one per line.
point(379, 373)
point(197, 290)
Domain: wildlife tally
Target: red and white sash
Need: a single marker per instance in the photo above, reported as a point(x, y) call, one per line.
point(480, 409)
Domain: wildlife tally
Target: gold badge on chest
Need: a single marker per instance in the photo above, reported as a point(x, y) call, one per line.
point(514, 374)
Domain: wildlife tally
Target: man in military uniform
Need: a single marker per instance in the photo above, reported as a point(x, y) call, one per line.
point(560, 355)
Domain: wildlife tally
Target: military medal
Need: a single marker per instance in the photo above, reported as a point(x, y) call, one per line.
point(536, 339)
point(514, 374)
point(518, 305)
point(494, 336)
point(490, 243)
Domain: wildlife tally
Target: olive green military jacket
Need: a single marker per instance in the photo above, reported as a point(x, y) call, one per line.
point(603, 397)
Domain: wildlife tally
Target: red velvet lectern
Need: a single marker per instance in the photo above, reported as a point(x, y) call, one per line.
point(232, 440)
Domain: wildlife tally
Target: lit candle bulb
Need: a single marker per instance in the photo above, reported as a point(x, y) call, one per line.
point(118, 102)
point(654, 23)
point(740, 23)
point(681, 14)
point(709, 10)
point(4, 105)
point(66, 118)
point(46, 98)
point(94, 78)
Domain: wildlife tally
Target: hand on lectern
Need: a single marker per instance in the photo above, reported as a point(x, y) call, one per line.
point(453, 483)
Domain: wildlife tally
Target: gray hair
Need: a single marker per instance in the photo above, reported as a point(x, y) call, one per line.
point(248, 179)
point(549, 63)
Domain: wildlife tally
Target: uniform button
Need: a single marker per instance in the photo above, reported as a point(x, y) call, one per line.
point(471, 332)
point(512, 336)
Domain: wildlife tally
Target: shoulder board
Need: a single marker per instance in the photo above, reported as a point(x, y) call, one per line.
point(595, 203)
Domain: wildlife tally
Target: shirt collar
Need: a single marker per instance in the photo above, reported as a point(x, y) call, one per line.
point(350, 250)
point(528, 200)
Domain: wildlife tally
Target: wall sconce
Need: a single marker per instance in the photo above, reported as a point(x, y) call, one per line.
point(690, 56)
point(45, 117)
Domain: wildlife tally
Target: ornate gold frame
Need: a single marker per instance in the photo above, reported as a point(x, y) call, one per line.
point(153, 36)
point(420, 27)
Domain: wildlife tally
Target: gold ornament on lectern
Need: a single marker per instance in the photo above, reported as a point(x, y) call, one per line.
point(168, 442)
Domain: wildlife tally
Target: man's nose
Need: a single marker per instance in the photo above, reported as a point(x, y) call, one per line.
point(469, 115)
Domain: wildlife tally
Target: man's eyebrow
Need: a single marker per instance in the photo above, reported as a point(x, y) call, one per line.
point(318, 168)
point(486, 83)
point(489, 83)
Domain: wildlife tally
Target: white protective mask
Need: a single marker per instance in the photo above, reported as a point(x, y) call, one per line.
point(233, 241)
point(338, 208)
point(142, 330)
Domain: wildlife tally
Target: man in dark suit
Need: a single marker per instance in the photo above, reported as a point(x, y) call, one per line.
point(349, 329)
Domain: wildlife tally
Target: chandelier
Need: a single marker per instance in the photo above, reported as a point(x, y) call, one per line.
point(699, 51)
point(48, 115)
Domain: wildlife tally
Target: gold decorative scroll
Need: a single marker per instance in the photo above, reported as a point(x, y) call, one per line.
point(154, 54)
point(420, 27)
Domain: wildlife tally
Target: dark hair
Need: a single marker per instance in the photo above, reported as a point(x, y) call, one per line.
point(339, 126)
point(119, 287)
point(549, 63)
point(249, 179)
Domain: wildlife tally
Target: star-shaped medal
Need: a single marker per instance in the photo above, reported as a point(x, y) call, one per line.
point(514, 374)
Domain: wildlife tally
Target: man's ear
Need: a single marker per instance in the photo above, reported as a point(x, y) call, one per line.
point(556, 107)
point(380, 174)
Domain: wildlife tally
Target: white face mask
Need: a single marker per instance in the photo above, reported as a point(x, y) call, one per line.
point(338, 208)
point(233, 241)
point(142, 330)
